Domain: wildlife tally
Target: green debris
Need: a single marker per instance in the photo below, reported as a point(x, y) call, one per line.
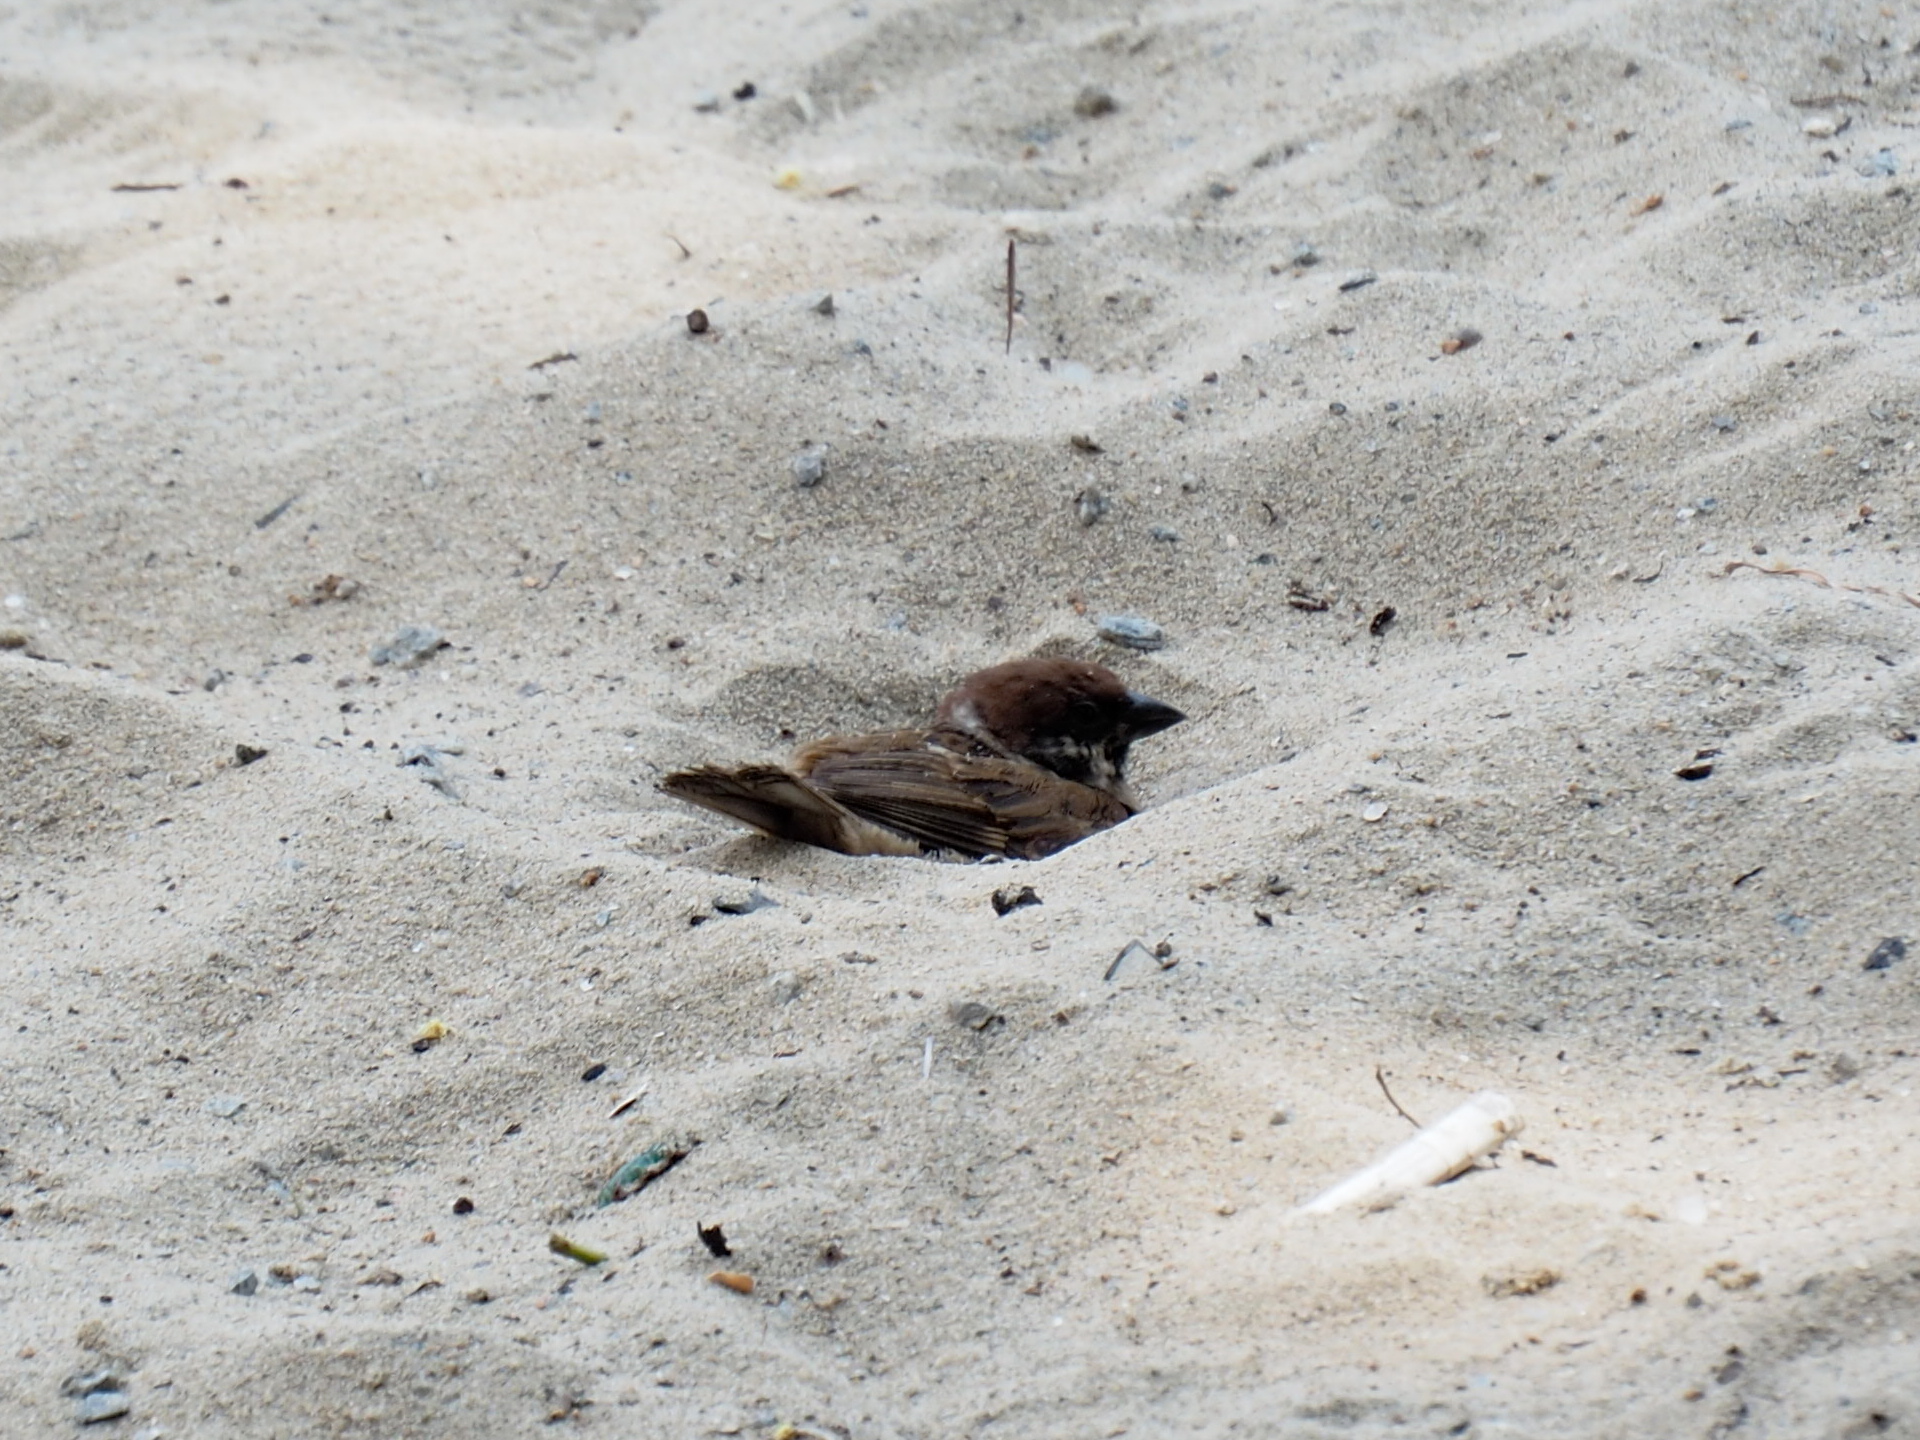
point(639, 1172)
point(560, 1245)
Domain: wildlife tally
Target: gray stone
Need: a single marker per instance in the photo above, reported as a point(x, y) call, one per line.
point(103, 1405)
point(410, 644)
point(1132, 632)
point(809, 468)
point(88, 1381)
point(735, 903)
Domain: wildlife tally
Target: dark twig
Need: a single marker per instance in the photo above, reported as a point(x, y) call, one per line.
point(1381, 1076)
point(1010, 295)
point(685, 253)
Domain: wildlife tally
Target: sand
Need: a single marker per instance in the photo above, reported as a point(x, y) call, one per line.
point(402, 342)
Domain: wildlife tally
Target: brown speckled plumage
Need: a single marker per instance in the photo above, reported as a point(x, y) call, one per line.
point(1022, 760)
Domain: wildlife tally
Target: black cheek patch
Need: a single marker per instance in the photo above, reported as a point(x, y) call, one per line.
point(1067, 758)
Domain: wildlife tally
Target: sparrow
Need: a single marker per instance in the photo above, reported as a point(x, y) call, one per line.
point(1021, 760)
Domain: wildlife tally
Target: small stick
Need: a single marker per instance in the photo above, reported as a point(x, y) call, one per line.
point(625, 1104)
point(1381, 1076)
point(1010, 295)
point(1800, 572)
point(685, 254)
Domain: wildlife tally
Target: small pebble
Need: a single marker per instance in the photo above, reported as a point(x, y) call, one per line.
point(1007, 900)
point(1282, 1115)
point(1165, 534)
point(305, 1284)
point(1131, 631)
point(824, 306)
point(1893, 948)
point(707, 102)
point(225, 1106)
point(1094, 102)
point(1881, 162)
point(809, 468)
point(427, 759)
point(245, 1281)
point(103, 1405)
point(972, 1014)
point(697, 322)
point(736, 903)
point(1375, 810)
point(786, 988)
point(1090, 505)
point(1821, 127)
point(410, 644)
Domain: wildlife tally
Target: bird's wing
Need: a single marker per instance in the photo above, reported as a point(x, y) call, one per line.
point(913, 791)
point(784, 806)
point(970, 804)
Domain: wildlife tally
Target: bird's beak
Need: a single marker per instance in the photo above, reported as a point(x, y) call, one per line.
point(1147, 716)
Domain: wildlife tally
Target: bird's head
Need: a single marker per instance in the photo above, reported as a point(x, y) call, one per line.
point(1074, 718)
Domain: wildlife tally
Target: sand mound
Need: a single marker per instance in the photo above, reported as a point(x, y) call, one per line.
point(333, 966)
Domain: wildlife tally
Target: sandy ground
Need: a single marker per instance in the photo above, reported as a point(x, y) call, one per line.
point(981, 1190)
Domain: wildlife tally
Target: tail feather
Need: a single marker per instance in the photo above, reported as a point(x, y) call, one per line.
point(779, 803)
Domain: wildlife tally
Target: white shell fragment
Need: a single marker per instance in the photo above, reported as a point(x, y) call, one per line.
point(1439, 1152)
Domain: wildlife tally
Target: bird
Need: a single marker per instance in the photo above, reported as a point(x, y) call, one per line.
point(1022, 759)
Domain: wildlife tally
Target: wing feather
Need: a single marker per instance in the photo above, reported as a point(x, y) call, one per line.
point(784, 806)
point(971, 804)
point(915, 792)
